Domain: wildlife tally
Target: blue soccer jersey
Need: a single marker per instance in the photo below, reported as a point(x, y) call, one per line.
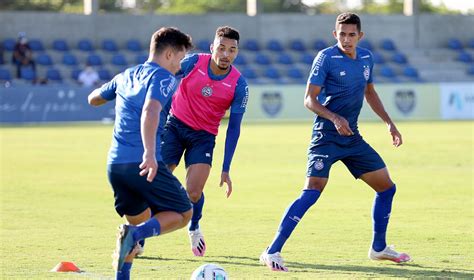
point(343, 81)
point(131, 88)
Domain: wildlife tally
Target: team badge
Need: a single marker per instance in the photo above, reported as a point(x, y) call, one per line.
point(405, 101)
point(318, 165)
point(272, 103)
point(206, 91)
point(366, 72)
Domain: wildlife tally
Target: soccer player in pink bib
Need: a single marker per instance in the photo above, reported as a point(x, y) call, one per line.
point(210, 85)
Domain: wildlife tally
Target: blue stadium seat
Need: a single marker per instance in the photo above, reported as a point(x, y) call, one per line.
point(410, 72)
point(27, 73)
point(464, 57)
point(9, 44)
point(70, 59)
point(307, 58)
point(119, 60)
point(134, 45)
point(470, 43)
point(284, 58)
point(249, 73)
point(470, 70)
point(366, 45)
point(5, 75)
point(104, 74)
point(297, 45)
point(204, 45)
point(455, 44)
point(272, 73)
point(36, 45)
point(44, 59)
point(295, 73)
point(388, 45)
point(262, 59)
point(75, 73)
point(60, 45)
point(53, 74)
point(387, 72)
point(94, 60)
point(109, 45)
point(274, 45)
point(141, 58)
point(378, 58)
point(85, 45)
point(319, 44)
point(399, 58)
point(240, 60)
point(251, 45)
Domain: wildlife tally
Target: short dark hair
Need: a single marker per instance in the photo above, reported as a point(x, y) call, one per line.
point(227, 32)
point(348, 18)
point(169, 37)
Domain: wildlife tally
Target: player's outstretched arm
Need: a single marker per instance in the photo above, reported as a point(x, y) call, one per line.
point(376, 104)
point(311, 102)
point(232, 137)
point(95, 99)
point(149, 125)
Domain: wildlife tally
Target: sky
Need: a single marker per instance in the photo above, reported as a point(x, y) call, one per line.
point(462, 5)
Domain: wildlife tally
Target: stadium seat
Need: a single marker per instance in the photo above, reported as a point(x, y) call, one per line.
point(470, 43)
point(85, 45)
point(470, 70)
point(262, 59)
point(36, 45)
point(5, 75)
point(295, 73)
point(249, 73)
point(104, 74)
point(141, 58)
point(251, 45)
point(134, 45)
point(274, 45)
point(272, 73)
point(70, 59)
point(410, 72)
point(285, 59)
point(27, 73)
point(119, 60)
point(387, 72)
point(378, 58)
point(44, 59)
point(319, 45)
point(109, 45)
point(297, 45)
point(203, 45)
point(240, 60)
point(399, 58)
point(75, 73)
point(388, 45)
point(9, 44)
point(60, 45)
point(307, 58)
point(455, 44)
point(464, 57)
point(94, 60)
point(366, 45)
point(53, 74)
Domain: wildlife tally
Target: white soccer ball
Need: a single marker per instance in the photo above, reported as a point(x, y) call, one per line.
point(209, 271)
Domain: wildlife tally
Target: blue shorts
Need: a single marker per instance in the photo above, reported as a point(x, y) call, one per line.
point(134, 194)
point(178, 138)
point(358, 156)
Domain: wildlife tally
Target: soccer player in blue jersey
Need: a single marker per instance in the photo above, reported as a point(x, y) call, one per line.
point(344, 71)
point(210, 86)
point(141, 182)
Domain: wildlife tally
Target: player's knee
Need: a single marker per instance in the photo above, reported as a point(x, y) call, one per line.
point(319, 186)
point(194, 195)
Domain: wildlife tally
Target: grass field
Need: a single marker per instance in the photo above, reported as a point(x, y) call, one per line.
point(56, 205)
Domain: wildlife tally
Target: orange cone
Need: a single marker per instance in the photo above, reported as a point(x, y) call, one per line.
point(66, 267)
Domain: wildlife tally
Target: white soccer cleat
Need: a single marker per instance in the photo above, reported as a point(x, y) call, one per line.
point(198, 246)
point(140, 249)
point(273, 261)
point(388, 254)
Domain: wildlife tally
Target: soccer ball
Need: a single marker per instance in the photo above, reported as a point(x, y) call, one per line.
point(209, 271)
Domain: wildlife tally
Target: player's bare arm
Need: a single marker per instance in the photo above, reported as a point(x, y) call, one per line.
point(376, 104)
point(149, 125)
point(95, 99)
point(311, 102)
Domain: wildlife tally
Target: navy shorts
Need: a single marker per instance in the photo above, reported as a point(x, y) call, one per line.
point(358, 156)
point(178, 138)
point(134, 194)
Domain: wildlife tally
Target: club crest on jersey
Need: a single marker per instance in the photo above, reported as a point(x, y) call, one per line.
point(206, 91)
point(366, 72)
point(318, 165)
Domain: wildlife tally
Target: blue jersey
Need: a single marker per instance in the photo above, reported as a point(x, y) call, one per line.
point(343, 81)
point(131, 88)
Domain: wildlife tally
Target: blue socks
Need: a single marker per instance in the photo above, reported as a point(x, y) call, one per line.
point(147, 229)
point(197, 213)
point(124, 274)
point(381, 214)
point(291, 217)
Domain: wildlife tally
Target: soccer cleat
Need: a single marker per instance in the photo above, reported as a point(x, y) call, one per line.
point(198, 246)
point(123, 247)
point(273, 261)
point(388, 254)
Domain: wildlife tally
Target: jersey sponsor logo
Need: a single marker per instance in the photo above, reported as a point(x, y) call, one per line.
point(337, 56)
point(167, 85)
point(366, 72)
point(342, 73)
point(318, 135)
point(365, 56)
point(206, 91)
point(318, 164)
point(405, 101)
point(318, 63)
point(245, 100)
point(272, 102)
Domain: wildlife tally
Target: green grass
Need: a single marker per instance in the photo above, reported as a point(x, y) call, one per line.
point(56, 205)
